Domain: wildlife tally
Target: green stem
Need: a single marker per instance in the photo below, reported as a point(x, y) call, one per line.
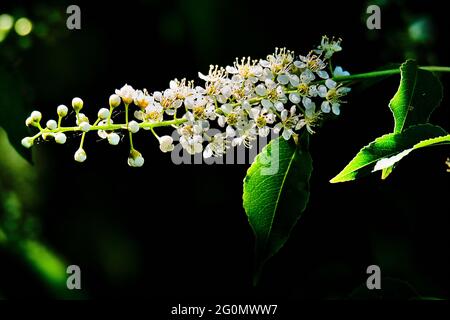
point(382, 73)
point(154, 133)
point(118, 126)
point(84, 133)
point(130, 135)
point(108, 121)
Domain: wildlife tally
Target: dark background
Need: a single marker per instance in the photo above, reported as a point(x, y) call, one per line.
point(180, 231)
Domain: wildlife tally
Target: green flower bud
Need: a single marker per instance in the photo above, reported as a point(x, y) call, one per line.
point(80, 155)
point(62, 110)
point(114, 101)
point(77, 104)
point(27, 142)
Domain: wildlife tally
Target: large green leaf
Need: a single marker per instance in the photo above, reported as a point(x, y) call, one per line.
point(276, 192)
point(419, 93)
point(391, 148)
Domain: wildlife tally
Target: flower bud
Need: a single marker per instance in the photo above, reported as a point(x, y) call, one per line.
point(85, 126)
point(62, 110)
point(28, 122)
point(103, 113)
point(27, 142)
point(82, 118)
point(60, 138)
point(77, 104)
point(135, 159)
point(166, 144)
point(113, 139)
point(126, 93)
point(36, 116)
point(52, 124)
point(133, 126)
point(80, 155)
point(114, 101)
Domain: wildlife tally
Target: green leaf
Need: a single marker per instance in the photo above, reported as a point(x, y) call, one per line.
point(276, 192)
point(391, 148)
point(419, 93)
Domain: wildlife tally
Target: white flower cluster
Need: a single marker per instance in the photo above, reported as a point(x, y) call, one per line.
point(283, 92)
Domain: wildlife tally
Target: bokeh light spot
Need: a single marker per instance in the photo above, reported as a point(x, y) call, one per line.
point(23, 26)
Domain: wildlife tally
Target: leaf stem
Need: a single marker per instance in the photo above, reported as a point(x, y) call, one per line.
point(382, 73)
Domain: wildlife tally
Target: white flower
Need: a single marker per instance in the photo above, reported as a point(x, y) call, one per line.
point(168, 100)
point(313, 63)
point(192, 145)
point(287, 124)
point(339, 72)
point(133, 126)
point(329, 47)
point(127, 93)
point(166, 144)
point(191, 133)
point(246, 69)
point(103, 113)
point(77, 104)
point(216, 147)
point(246, 134)
point(262, 118)
point(113, 139)
point(142, 99)
point(80, 155)
point(277, 63)
point(310, 119)
point(62, 110)
point(36, 116)
point(274, 96)
point(332, 94)
point(114, 100)
point(215, 74)
point(232, 117)
point(154, 113)
point(60, 138)
point(27, 142)
point(52, 124)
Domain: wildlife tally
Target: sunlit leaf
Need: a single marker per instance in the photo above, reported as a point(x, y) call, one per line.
point(391, 148)
point(276, 192)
